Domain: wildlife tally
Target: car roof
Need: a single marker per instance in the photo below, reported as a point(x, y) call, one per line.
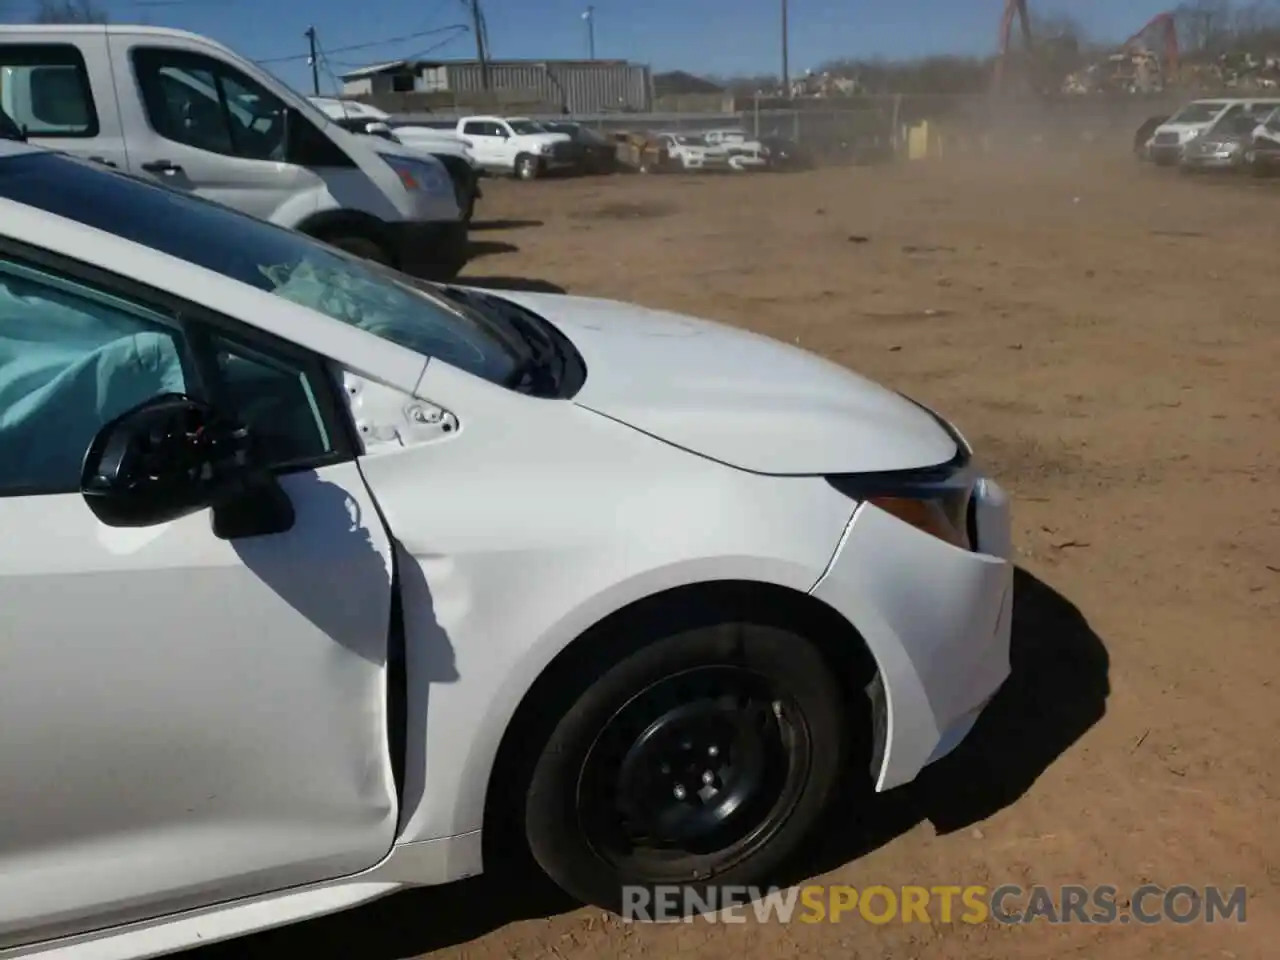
point(362, 353)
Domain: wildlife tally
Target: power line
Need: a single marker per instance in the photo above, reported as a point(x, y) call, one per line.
point(414, 55)
point(372, 43)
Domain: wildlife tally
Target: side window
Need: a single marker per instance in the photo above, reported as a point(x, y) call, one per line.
point(499, 130)
point(275, 399)
point(209, 105)
point(475, 128)
point(71, 360)
point(45, 88)
point(73, 357)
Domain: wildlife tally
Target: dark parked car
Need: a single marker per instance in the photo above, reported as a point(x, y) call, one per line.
point(784, 154)
point(1224, 146)
point(597, 154)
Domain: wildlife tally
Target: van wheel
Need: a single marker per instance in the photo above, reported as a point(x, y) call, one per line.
point(703, 758)
point(526, 167)
point(361, 247)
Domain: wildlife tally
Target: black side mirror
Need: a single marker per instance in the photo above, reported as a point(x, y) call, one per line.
point(172, 456)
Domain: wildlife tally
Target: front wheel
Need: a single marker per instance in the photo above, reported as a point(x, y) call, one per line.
point(705, 757)
point(526, 167)
point(361, 247)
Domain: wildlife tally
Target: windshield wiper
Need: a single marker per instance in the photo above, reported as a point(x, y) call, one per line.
point(542, 362)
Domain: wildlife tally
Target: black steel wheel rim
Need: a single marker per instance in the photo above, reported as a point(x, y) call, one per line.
point(706, 763)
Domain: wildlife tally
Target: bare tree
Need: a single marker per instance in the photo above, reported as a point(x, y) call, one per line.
point(1204, 26)
point(69, 11)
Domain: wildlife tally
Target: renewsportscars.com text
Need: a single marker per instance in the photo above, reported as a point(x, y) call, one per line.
point(969, 904)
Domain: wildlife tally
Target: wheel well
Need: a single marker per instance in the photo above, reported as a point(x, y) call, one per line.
point(680, 608)
point(458, 169)
point(329, 224)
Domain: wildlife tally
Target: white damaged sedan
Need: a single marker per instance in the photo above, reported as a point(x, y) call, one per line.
point(319, 582)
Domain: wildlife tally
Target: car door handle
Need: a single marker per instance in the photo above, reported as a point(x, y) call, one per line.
point(102, 160)
point(161, 166)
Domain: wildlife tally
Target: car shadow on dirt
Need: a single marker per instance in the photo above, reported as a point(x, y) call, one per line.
point(487, 248)
point(1057, 691)
point(477, 226)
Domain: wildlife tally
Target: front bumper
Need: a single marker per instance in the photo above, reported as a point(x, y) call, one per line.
point(937, 620)
point(1192, 160)
point(1164, 154)
point(703, 162)
point(436, 250)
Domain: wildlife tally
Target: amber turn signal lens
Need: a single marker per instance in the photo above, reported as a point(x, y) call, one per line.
point(928, 516)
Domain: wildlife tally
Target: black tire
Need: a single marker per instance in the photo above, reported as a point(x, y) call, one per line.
point(526, 167)
point(361, 247)
point(465, 194)
point(788, 745)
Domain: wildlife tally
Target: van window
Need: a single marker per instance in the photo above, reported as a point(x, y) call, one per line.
point(45, 88)
point(207, 104)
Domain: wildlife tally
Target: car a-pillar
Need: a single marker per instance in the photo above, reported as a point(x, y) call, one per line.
point(547, 785)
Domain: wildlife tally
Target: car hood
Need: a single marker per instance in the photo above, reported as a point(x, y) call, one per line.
point(545, 137)
point(737, 397)
point(1264, 133)
point(1215, 141)
point(411, 134)
point(1185, 131)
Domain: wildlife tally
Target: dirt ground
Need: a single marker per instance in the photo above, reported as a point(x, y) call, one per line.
point(1108, 338)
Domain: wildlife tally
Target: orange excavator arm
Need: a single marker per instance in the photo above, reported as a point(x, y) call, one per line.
point(1165, 23)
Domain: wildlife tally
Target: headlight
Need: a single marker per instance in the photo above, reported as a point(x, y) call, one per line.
point(543, 148)
point(934, 500)
point(420, 177)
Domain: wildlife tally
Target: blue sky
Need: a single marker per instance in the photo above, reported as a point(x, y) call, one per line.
point(701, 36)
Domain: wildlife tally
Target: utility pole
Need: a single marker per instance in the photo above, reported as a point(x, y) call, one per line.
point(477, 24)
point(315, 63)
point(786, 71)
point(590, 17)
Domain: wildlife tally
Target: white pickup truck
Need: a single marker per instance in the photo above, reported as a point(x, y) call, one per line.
point(517, 146)
point(690, 152)
point(445, 145)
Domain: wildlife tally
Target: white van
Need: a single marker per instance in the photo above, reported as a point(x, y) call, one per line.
point(1167, 140)
point(186, 111)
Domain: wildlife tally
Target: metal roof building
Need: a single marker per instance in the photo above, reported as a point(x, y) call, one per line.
point(581, 86)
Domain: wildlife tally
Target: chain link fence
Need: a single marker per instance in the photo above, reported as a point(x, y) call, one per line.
point(879, 127)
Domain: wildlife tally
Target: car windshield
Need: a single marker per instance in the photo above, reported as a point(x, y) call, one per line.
point(410, 313)
point(525, 126)
point(1239, 124)
point(1197, 113)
